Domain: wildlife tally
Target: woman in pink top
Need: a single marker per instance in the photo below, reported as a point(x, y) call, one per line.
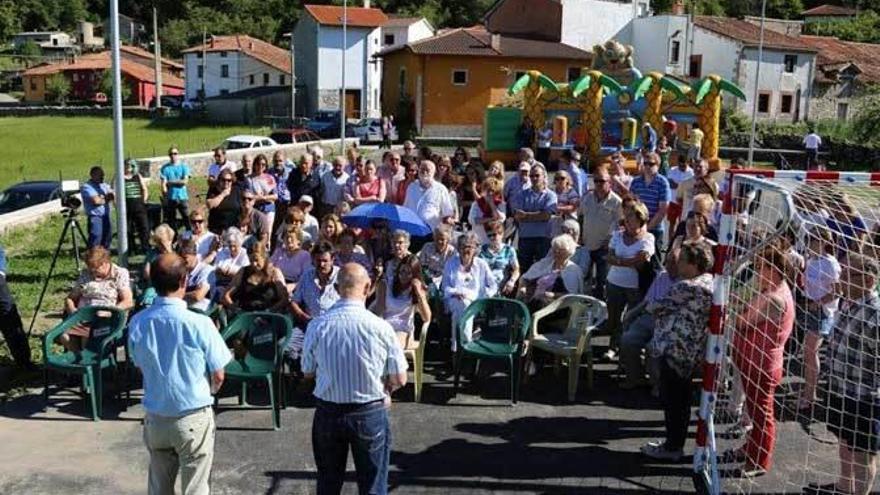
point(370, 188)
point(758, 344)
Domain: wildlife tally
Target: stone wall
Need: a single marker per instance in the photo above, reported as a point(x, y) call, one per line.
point(67, 111)
point(435, 131)
point(826, 97)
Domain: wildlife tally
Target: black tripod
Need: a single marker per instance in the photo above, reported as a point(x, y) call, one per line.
point(72, 226)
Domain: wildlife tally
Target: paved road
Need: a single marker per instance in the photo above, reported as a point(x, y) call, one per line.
point(474, 443)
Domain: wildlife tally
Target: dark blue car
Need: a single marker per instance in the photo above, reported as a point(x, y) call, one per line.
point(27, 194)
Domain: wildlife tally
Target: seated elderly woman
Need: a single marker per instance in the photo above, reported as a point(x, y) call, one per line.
point(398, 301)
point(314, 295)
point(554, 275)
point(434, 255)
point(680, 331)
point(501, 258)
point(101, 283)
point(399, 245)
point(231, 258)
point(466, 278)
point(257, 287)
point(291, 258)
point(696, 230)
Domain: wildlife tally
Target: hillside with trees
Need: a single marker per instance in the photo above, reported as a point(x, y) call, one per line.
point(182, 22)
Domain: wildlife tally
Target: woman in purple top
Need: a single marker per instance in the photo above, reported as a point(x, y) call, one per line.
point(291, 258)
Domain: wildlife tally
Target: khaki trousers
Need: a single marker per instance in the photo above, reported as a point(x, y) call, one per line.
point(183, 444)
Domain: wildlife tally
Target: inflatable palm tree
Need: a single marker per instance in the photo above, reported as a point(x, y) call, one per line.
point(532, 84)
point(707, 97)
point(594, 83)
point(652, 86)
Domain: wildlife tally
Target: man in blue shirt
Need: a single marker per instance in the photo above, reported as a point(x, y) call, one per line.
point(568, 162)
point(182, 358)
point(532, 209)
point(10, 322)
point(97, 196)
point(653, 190)
point(649, 138)
point(173, 178)
point(358, 363)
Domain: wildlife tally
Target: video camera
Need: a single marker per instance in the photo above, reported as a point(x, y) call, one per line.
point(70, 198)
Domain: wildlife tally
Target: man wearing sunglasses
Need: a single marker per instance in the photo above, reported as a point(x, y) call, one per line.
point(601, 212)
point(173, 178)
point(532, 209)
point(653, 190)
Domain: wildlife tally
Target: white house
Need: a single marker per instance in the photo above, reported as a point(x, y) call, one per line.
point(45, 39)
point(728, 47)
point(399, 31)
point(227, 64)
point(318, 42)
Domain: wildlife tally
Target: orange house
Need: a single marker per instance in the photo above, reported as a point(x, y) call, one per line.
point(451, 78)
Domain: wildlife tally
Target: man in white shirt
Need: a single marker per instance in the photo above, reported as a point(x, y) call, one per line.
point(333, 186)
point(812, 142)
point(429, 198)
point(220, 163)
point(321, 165)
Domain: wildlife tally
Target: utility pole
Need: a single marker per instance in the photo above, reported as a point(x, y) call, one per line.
point(121, 217)
point(757, 81)
point(204, 62)
point(292, 83)
point(157, 63)
point(342, 92)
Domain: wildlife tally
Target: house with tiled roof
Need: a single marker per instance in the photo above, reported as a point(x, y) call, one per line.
point(449, 79)
point(400, 30)
point(228, 64)
point(318, 41)
point(827, 13)
point(85, 73)
point(845, 73)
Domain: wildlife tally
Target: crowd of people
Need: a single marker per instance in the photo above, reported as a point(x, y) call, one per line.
point(271, 236)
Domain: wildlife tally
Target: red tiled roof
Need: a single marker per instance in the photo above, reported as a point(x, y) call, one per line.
point(101, 61)
point(750, 34)
point(477, 42)
point(263, 51)
point(331, 15)
point(830, 10)
point(835, 54)
point(143, 53)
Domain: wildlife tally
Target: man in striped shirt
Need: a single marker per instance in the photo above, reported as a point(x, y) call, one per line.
point(357, 362)
point(652, 189)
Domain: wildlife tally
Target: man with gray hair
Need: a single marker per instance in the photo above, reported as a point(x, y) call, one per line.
point(321, 165)
point(532, 209)
point(357, 363)
point(430, 199)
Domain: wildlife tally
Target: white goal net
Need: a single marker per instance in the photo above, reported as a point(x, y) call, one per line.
point(793, 361)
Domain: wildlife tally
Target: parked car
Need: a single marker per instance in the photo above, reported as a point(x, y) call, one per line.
point(27, 194)
point(245, 141)
point(297, 135)
point(324, 121)
point(370, 131)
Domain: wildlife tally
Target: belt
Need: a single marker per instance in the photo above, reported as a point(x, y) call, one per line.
point(182, 415)
point(347, 407)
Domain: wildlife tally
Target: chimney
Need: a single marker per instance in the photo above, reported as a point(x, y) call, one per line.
point(678, 7)
point(366, 4)
point(495, 41)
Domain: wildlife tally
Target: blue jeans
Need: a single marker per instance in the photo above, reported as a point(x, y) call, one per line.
point(362, 428)
point(635, 338)
point(659, 240)
point(619, 298)
point(100, 231)
point(597, 259)
point(530, 250)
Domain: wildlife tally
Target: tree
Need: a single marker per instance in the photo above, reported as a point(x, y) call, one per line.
point(9, 21)
point(30, 53)
point(106, 86)
point(866, 124)
point(57, 88)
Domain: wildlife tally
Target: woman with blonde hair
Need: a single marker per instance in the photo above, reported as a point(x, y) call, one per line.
point(331, 227)
point(257, 287)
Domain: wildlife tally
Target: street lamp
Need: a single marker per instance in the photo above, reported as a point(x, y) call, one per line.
point(757, 80)
point(121, 220)
point(342, 92)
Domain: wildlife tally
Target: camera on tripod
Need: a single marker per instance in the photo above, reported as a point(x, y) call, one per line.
point(70, 198)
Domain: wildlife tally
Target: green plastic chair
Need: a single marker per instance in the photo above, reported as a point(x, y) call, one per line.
point(571, 342)
point(217, 314)
point(264, 335)
point(106, 327)
point(500, 327)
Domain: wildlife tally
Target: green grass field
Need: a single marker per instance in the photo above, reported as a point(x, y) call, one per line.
point(42, 147)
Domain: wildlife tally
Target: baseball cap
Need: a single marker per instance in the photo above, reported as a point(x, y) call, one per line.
point(305, 198)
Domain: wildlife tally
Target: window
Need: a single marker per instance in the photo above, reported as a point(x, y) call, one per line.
point(786, 103)
point(389, 39)
point(764, 102)
point(251, 79)
point(224, 70)
point(265, 79)
point(695, 67)
point(675, 52)
point(201, 70)
point(198, 54)
point(281, 80)
point(75, 77)
point(574, 73)
point(33, 84)
point(223, 54)
point(459, 77)
point(842, 110)
point(224, 91)
point(790, 63)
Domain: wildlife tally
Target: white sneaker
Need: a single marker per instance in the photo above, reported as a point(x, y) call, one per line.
point(657, 450)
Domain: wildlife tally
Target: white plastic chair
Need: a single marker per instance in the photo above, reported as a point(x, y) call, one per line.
point(416, 353)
